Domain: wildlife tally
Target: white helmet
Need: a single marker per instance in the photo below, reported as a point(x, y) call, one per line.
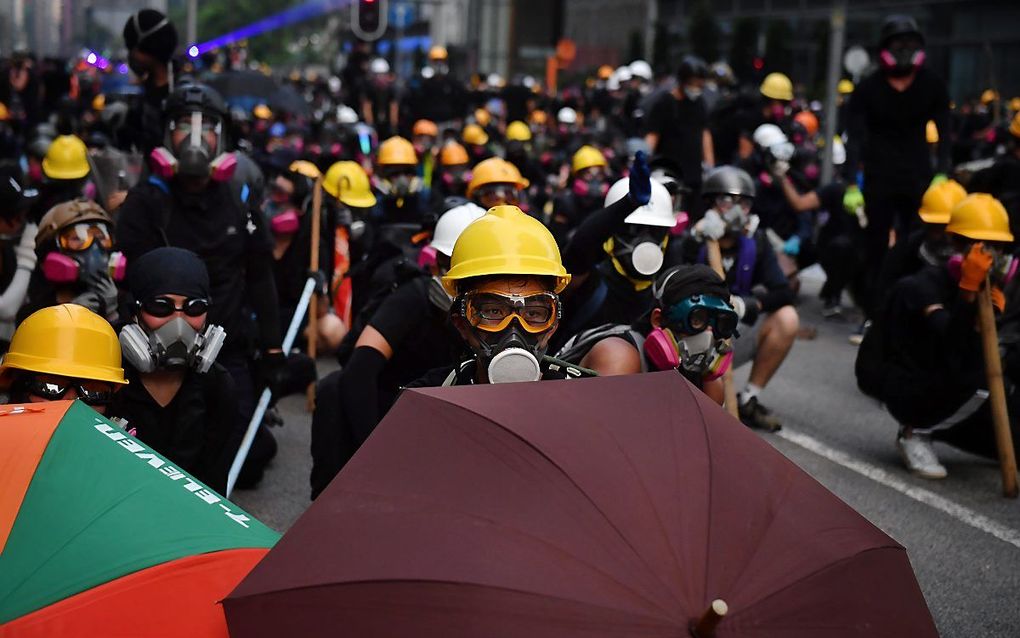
point(427, 72)
point(838, 151)
point(623, 74)
point(771, 137)
point(657, 212)
point(451, 224)
point(379, 66)
point(334, 84)
point(529, 81)
point(346, 115)
point(641, 69)
point(566, 115)
point(495, 79)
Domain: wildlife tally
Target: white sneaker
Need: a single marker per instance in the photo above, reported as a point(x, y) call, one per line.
point(919, 456)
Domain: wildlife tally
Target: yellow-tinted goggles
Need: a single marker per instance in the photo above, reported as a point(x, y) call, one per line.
point(77, 237)
point(493, 312)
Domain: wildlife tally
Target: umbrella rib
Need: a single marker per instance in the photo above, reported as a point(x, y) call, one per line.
point(818, 571)
point(566, 475)
point(394, 581)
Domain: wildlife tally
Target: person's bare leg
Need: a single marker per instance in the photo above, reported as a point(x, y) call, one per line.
point(775, 339)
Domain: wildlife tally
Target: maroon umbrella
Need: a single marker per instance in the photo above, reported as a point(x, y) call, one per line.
point(619, 506)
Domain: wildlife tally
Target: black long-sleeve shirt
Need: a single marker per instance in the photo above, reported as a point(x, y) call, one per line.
point(227, 235)
point(886, 131)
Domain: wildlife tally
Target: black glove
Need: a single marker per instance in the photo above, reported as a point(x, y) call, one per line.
point(270, 370)
point(321, 283)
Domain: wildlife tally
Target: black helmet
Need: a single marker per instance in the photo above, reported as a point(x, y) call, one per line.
point(896, 25)
point(196, 97)
point(728, 180)
point(691, 66)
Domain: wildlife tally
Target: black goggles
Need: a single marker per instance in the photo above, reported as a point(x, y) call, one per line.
point(89, 391)
point(163, 307)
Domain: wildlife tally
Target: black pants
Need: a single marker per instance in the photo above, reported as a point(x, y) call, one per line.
point(887, 208)
point(840, 258)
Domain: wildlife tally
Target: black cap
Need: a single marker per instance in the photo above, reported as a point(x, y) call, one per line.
point(152, 33)
point(680, 282)
point(168, 270)
point(896, 25)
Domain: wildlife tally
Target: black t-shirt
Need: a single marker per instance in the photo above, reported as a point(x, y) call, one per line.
point(680, 125)
point(231, 240)
point(887, 130)
point(419, 333)
point(192, 430)
point(516, 97)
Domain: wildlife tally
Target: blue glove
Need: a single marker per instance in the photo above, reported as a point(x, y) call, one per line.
point(792, 246)
point(640, 180)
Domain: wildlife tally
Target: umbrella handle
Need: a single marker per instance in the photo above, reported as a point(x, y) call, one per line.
point(705, 627)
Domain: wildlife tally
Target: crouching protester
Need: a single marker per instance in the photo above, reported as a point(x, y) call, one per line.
point(687, 330)
point(505, 278)
point(761, 294)
point(63, 352)
point(179, 400)
point(923, 356)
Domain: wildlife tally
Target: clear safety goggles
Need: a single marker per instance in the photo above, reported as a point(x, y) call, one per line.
point(493, 312)
point(724, 203)
point(197, 129)
point(492, 194)
point(81, 236)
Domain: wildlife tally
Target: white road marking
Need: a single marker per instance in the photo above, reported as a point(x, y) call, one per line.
point(963, 514)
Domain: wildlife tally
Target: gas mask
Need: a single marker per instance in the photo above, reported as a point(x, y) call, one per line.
point(1004, 265)
point(284, 218)
point(900, 61)
point(173, 346)
point(639, 254)
point(935, 251)
point(84, 254)
point(735, 210)
point(400, 185)
point(512, 332)
point(198, 153)
point(590, 190)
point(455, 180)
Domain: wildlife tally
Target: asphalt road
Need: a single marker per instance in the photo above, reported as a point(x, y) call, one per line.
point(962, 537)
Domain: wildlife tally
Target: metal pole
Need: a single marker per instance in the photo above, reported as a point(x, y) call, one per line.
point(837, 34)
point(650, 20)
point(192, 27)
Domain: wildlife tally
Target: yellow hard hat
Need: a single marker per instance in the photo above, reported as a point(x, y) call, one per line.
point(438, 53)
point(64, 214)
point(453, 154)
point(474, 134)
point(348, 182)
point(980, 217)
point(262, 112)
point(586, 157)
point(1014, 126)
point(845, 87)
point(306, 168)
point(777, 87)
point(66, 158)
point(1014, 104)
point(605, 71)
point(482, 117)
point(67, 340)
point(495, 170)
point(99, 102)
point(396, 151)
point(5, 114)
point(518, 131)
point(931, 132)
point(505, 241)
point(939, 200)
point(425, 127)
point(989, 95)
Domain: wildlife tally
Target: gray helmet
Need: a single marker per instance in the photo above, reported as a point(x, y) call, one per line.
point(728, 180)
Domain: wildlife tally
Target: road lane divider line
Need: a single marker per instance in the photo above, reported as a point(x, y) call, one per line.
point(959, 512)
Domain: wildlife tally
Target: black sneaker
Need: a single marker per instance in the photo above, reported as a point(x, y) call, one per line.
point(832, 309)
point(757, 416)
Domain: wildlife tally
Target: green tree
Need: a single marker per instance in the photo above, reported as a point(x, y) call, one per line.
point(703, 32)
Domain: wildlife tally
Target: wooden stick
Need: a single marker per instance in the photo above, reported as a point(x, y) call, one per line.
point(996, 391)
point(729, 389)
point(313, 303)
point(705, 627)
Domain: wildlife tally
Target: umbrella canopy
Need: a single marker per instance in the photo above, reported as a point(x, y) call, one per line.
point(248, 88)
point(618, 506)
point(101, 536)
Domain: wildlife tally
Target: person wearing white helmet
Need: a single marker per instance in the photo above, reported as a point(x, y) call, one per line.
point(407, 334)
point(641, 70)
point(379, 105)
point(616, 252)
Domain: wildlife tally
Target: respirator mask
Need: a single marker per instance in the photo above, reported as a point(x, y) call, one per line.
point(175, 345)
point(193, 148)
point(512, 332)
point(901, 56)
point(640, 252)
point(84, 254)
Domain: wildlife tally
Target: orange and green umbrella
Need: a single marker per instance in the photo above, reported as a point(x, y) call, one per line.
point(102, 536)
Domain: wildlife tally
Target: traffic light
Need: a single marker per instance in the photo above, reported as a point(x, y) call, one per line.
point(369, 18)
